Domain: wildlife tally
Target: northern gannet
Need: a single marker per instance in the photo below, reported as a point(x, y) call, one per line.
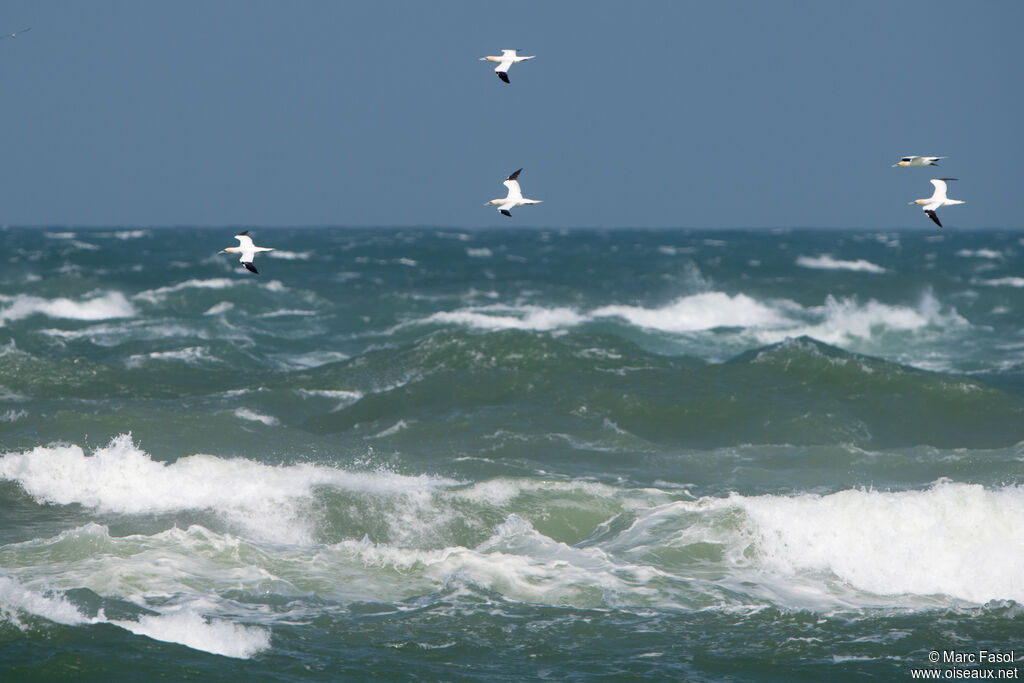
point(506, 60)
point(16, 33)
point(247, 249)
point(514, 198)
point(916, 162)
point(937, 199)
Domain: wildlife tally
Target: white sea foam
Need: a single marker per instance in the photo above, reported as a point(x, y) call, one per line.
point(1003, 282)
point(290, 255)
point(253, 416)
point(344, 398)
point(180, 625)
point(390, 431)
point(192, 355)
point(217, 309)
point(313, 359)
point(826, 262)
point(138, 329)
point(957, 540)
point(842, 320)
point(481, 252)
point(980, 253)
point(98, 307)
point(705, 311)
point(951, 543)
point(160, 293)
point(130, 234)
point(188, 628)
point(500, 317)
point(17, 599)
point(265, 502)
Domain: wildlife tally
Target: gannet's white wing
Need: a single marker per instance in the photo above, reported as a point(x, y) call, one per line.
point(939, 195)
point(246, 247)
point(244, 241)
point(514, 191)
point(512, 183)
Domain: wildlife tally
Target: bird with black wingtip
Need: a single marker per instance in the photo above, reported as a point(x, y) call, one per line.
point(247, 249)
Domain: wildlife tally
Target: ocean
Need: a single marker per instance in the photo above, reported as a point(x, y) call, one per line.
point(510, 454)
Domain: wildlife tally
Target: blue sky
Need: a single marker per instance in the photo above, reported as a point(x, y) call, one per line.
point(733, 113)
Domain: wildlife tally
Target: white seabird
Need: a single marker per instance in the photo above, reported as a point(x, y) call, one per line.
point(16, 33)
point(247, 249)
point(506, 60)
point(514, 198)
point(937, 199)
point(917, 162)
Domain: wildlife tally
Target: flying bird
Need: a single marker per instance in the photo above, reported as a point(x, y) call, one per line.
point(917, 162)
point(514, 198)
point(247, 249)
point(506, 60)
point(16, 33)
point(937, 199)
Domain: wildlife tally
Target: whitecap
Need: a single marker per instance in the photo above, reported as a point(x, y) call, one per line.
point(290, 255)
point(188, 628)
point(705, 311)
point(17, 599)
point(160, 293)
point(342, 396)
point(266, 502)
point(979, 253)
point(253, 416)
point(98, 307)
point(1003, 282)
point(217, 309)
point(180, 625)
point(826, 262)
point(499, 317)
point(957, 540)
point(845, 319)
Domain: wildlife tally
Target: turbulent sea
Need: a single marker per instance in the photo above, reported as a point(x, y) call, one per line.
point(508, 455)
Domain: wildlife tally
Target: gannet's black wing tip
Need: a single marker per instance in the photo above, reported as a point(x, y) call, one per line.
point(250, 267)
